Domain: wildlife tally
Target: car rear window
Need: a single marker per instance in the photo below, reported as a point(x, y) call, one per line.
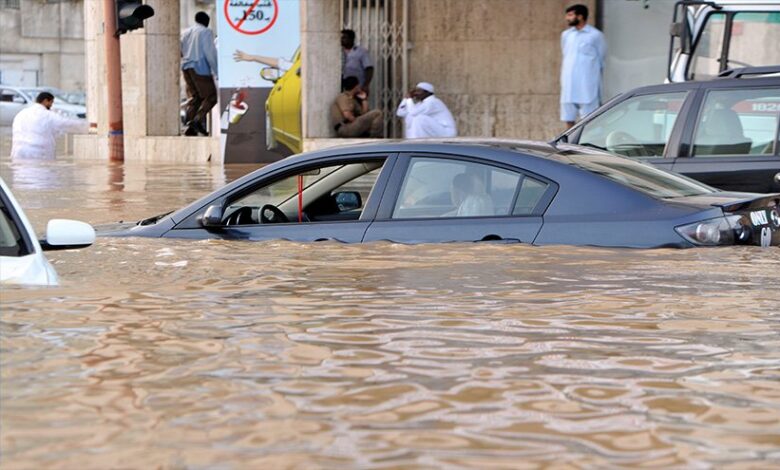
point(640, 176)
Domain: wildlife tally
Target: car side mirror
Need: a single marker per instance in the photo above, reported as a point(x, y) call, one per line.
point(348, 200)
point(212, 217)
point(64, 234)
point(272, 74)
point(681, 30)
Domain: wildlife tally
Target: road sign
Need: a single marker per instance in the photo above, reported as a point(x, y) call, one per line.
point(251, 17)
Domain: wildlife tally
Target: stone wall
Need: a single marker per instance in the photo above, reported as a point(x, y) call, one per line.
point(495, 63)
point(51, 32)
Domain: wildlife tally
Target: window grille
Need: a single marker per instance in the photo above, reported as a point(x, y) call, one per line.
point(381, 27)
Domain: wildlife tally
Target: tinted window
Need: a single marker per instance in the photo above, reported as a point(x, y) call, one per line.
point(453, 188)
point(642, 177)
point(738, 122)
point(637, 127)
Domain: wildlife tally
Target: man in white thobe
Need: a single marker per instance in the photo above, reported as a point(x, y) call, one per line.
point(425, 115)
point(583, 48)
point(36, 128)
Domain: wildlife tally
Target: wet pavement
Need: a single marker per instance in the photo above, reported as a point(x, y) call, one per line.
point(211, 354)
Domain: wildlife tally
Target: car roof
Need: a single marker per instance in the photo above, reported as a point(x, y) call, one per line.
point(469, 145)
point(718, 82)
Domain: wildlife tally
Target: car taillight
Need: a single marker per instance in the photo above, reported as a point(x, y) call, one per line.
point(714, 232)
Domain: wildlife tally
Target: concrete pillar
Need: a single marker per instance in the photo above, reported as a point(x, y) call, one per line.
point(150, 95)
point(320, 33)
point(96, 145)
point(150, 74)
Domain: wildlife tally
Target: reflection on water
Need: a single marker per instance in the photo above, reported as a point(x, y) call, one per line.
point(214, 354)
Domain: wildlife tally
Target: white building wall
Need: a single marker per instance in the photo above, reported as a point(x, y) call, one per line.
point(43, 44)
point(637, 35)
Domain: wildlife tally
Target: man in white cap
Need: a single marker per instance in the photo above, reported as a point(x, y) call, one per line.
point(425, 115)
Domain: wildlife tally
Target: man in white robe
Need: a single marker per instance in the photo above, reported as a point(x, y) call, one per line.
point(425, 115)
point(36, 127)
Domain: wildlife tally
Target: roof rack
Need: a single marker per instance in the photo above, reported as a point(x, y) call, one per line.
point(737, 73)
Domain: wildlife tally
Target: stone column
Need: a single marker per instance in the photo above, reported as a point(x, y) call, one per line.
point(150, 74)
point(94, 145)
point(320, 33)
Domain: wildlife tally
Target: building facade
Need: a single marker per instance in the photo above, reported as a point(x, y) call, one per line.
point(42, 43)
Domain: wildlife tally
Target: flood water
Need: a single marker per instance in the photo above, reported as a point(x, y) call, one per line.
point(210, 354)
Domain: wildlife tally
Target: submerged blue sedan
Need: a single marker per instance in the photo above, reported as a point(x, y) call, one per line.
point(472, 191)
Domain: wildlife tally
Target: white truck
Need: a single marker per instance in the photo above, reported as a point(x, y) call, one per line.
point(710, 37)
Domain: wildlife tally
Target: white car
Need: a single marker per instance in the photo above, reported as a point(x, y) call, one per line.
point(21, 253)
point(14, 99)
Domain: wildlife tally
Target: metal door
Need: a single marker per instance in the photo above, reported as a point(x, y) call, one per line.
point(381, 26)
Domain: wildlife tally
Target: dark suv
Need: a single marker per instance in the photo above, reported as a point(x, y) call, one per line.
point(723, 132)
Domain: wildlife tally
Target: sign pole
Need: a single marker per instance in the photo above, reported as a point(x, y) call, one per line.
point(116, 145)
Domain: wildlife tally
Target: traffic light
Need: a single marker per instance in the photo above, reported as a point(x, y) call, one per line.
point(130, 15)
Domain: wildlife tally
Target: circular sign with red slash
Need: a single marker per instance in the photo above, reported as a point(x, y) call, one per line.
point(251, 16)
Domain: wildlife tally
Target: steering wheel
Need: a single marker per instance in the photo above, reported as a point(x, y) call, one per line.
point(241, 216)
point(624, 144)
point(276, 215)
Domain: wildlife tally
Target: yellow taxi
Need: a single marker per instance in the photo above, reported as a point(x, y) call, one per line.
point(283, 106)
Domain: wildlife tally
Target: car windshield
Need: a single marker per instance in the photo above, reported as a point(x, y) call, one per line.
point(640, 176)
point(34, 92)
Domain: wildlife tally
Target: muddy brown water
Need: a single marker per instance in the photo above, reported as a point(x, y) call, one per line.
point(210, 354)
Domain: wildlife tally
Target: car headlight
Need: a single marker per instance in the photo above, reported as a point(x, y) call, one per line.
point(714, 232)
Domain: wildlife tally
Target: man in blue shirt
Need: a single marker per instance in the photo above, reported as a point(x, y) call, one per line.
point(583, 50)
point(198, 64)
point(356, 60)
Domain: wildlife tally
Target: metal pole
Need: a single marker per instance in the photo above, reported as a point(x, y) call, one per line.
point(116, 146)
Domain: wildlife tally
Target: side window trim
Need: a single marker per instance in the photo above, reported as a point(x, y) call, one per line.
point(685, 143)
point(394, 183)
point(678, 131)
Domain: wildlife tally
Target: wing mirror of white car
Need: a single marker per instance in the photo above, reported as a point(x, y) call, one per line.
point(213, 216)
point(65, 234)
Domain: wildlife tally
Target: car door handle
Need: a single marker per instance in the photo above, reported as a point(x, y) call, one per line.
point(777, 178)
point(492, 238)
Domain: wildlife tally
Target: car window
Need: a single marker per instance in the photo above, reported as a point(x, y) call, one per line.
point(11, 96)
point(454, 188)
point(738, 122)
point(640, 176)
point(705, 61)
point(750, 33)
point(333, 192)
point(638, 127)
point(10, 240)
